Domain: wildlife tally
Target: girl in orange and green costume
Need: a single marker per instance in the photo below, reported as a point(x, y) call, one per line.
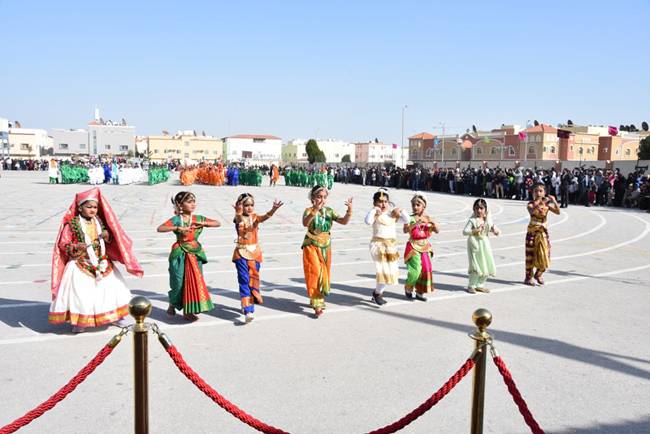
point(316, 250)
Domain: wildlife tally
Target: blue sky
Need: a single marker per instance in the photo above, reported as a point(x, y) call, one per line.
point(336, 69)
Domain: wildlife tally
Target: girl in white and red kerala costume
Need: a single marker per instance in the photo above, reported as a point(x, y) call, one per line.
point(87, 291)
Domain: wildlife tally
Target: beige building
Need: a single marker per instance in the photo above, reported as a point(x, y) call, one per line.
point(184, 145)
point(27, 142)
point(373, 152)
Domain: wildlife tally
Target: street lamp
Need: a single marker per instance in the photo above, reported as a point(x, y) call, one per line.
point(403, 109)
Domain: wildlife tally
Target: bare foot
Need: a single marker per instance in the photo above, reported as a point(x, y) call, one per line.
point(190, 317)
point(171, 311)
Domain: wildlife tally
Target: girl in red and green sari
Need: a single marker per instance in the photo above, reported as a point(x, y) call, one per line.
point(188, 292)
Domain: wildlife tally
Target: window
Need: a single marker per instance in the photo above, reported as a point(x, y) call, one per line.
point(82, 146)
point(108, 146)
point(545, 149)
point(187, 155)
point(124, 148)
point(494, 150)
point(627, 151)
point(454, 151)
point(511, 151)
point(531, 149)
point(552, 149)
point(187, 143)
point(63, 146)
point(155, 151)
point(479, 151)
point(24, 147)
point(258, 140)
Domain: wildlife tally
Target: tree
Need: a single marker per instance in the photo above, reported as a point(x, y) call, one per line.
point(644, 149)
point(314, 154)
point(346, 159)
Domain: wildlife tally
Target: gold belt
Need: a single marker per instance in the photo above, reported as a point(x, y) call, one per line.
point(390, 242)
point(321, 238)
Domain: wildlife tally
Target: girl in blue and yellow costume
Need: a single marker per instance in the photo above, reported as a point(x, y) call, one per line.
point(248, 254)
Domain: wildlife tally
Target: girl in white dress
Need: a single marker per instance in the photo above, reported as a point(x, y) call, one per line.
point(87, 291)
point(383, 245)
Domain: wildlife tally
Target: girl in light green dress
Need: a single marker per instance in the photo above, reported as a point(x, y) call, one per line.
point(479, 252)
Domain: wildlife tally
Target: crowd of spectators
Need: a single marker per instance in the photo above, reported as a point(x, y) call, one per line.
point(579, 186)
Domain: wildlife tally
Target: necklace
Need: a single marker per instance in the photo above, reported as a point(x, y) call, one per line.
point(189, 222)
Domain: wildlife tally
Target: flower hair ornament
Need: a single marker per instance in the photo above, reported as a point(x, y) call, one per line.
point(419, 197)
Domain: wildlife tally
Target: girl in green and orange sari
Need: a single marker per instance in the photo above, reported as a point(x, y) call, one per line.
point(188, 292)
point(316, 251)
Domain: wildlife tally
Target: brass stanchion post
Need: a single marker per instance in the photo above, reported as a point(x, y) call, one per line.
point(140, 308)
point(482, 318)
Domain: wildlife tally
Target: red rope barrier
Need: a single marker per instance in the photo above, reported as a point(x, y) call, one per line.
point(261, 426)
point(60, 395)
point(429, 403)
point(217, 398)
point(519, 400)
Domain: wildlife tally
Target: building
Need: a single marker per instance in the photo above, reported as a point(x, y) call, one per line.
point(69, 142)
point(421, 146)
point(26, 143)
point(110, 138)
point(4, 138)
point(184, 145)
point(373, 153)
point(624, 146)
point(294, 151)
point(253, 148)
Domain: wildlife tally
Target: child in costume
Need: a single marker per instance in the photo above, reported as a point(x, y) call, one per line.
point(188, 292)
point(316, 250)
point(479, 251)
point(419, 251)
point(87, 291)
point(383, 245)
point(538, 244)
point(248, 254)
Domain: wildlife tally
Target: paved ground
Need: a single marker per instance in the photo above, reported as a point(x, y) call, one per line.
point(578, 347)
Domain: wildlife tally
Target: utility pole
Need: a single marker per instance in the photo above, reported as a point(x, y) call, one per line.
point(403, 108)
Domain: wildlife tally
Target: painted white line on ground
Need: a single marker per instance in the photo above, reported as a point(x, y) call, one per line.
point(330, 311)
point(273, 255)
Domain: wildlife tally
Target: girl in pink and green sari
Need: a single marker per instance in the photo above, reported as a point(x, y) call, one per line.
point(419, 251)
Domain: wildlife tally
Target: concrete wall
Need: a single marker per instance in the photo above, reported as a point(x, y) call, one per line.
point(111, 139)
point(69, 142)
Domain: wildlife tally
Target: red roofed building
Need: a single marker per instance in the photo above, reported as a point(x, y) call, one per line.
point(541, 143)
point(421, 146)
